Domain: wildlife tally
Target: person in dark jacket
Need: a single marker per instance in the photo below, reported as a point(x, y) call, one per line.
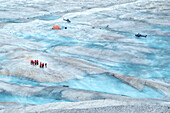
point(35, 62)
point(46, 65)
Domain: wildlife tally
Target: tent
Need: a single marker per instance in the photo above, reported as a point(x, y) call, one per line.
point(56, 27)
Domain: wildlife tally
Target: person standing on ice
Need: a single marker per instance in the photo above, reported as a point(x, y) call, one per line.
point(32, 62)
point(42, 65)
point(37, 62)
point(46, 65)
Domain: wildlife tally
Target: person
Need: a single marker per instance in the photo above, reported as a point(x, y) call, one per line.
point(139, 35)
point(66, 20)
point(46, 65)
point(32, 62)
point(37, 62)
point(40, 65)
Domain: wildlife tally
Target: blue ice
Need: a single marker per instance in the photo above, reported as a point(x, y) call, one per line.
point(95, 82)
point(107, 84)
point(29, 100)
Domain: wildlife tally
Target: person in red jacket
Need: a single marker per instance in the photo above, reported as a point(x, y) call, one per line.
point(32, 62)
point(40, 64)
point(37, 62)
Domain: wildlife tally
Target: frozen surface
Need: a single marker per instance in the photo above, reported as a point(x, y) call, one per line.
point(101, 83)
point(27, 100)
point(99, 39)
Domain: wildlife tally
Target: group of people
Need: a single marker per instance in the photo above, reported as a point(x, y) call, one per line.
point(36, 62)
